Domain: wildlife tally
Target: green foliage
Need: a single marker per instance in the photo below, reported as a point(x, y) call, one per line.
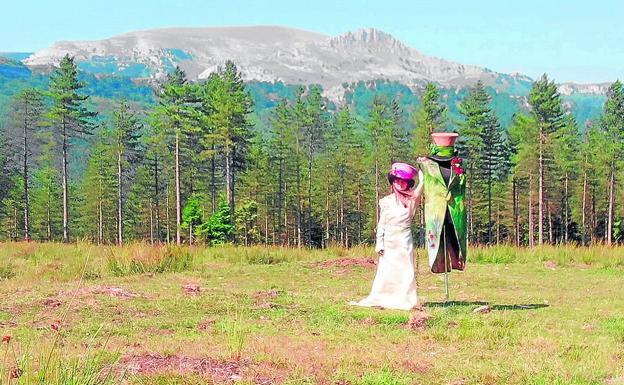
point(431, 116)
point(218, 229)
point(246, 216)
point(482, 143)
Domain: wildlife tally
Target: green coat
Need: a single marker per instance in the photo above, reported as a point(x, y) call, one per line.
point(444, 202)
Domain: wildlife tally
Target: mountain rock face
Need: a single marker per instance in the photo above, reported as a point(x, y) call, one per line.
point(264, 54)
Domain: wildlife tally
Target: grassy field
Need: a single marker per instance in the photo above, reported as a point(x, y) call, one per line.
point(85, 314)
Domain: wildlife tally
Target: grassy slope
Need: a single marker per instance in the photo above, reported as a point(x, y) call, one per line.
point(556, 319)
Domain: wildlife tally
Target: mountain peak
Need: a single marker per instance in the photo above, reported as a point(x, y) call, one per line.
point(367, 37)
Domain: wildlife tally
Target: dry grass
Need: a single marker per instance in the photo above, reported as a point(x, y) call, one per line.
point(275, 315)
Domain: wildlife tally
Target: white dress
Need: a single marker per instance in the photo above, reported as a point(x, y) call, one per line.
point(394, 286)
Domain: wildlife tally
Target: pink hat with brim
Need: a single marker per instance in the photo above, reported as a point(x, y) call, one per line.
point(403, 171)
point(444, 139)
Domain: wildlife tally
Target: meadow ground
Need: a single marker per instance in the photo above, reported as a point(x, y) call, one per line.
point(141, 314)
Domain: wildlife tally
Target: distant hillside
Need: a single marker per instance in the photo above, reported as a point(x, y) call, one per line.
point(350, 67)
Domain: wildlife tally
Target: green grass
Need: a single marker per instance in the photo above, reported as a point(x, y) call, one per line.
point(556, 318)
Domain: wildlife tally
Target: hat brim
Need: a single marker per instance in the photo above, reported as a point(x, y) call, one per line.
point(392, 178)
point(441, 158)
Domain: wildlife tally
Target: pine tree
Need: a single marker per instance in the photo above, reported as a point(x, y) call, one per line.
point(177, 114)
point(482, 138)
point(546, 107)
point(431, 116)
point(567, 161)
point(229, 105)
point(315, 122)
point(524, 139)
point(70, 117)
point(380, 133)
point(612, 124)
point(47, 213)
point(126, 132)
point(26, 118)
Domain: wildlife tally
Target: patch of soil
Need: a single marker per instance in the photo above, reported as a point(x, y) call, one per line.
point(217, 370)
point(273, 293)
point(191, 289)
point(206, 324)
point(552, 265)
point(346, 262)
point(368, 321)
point(8, 324)
point(159, 332)
point(483, 309)
point(265, 305)
point(419, 366)
point(113, 291)
point(418, 320)
point(51, 303)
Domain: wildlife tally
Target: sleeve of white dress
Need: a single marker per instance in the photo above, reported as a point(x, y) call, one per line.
point(379, 243)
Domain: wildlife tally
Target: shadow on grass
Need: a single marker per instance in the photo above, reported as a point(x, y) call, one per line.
point(528, 306)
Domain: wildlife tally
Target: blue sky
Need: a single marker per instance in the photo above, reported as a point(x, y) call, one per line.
point(572, 40)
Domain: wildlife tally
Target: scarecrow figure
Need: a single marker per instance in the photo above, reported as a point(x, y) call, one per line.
point(445, 212)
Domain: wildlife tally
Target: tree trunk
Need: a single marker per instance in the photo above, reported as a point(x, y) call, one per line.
point(26, 195)
point(566, 221)
point(280, 195)
point(359, 210)
point(100, 204)
point(228, 180)
point(540, 202)
point(119, 203)
point(299, 208)
point(213, 186)
point(489, 198)
point(309, 211)
point(327, 217)
point(49, 215)
point(516, 221)
point(376, 192)
point(168, 219)
point(531, 220)
point(470, 213)
point(343, 227)
point(157, 199)
point(584, 208)
point(609, 230)
point(65, 187)
point(151, 210)
point(497, 223)
point(551, 238)
point(177, 188)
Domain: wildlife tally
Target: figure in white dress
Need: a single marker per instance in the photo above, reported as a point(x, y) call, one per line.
point(394, 286)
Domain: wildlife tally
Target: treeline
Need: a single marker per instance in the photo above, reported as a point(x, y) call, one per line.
point(196, 167)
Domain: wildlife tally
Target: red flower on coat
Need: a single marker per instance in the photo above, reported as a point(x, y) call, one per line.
point(6, 339)
point(456, 165)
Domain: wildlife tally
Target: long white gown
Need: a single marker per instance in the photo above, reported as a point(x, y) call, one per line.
point(394, 286)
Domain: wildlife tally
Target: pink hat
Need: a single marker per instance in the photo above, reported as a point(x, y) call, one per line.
point(444, 139)
point(403, 170)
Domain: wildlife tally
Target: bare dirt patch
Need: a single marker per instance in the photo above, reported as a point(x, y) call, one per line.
point(418, 320)
point(217, 370)
point(206, 324)
point(192, 289)
point(346, 262)
point(51, 303)
point(273, 293)
point(113, 291)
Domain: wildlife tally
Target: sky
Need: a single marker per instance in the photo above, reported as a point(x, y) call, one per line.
point(573, 40)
